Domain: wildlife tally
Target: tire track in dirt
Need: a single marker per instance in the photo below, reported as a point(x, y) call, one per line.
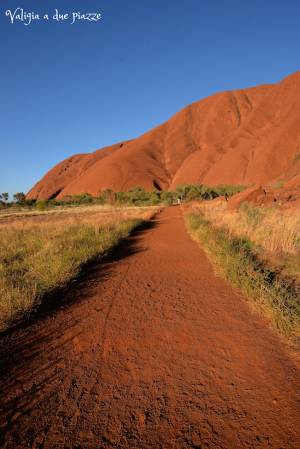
point(150, 350)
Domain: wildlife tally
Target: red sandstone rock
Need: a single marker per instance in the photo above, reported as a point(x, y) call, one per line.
point(249, 137)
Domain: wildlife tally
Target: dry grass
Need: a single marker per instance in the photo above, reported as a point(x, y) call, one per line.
point(42, 253)
point(68, 215)
point(258, 251)
point(273, 231)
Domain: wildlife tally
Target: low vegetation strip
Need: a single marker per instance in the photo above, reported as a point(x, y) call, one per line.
point(34, 261)
point(237, 260)
point(136, 196)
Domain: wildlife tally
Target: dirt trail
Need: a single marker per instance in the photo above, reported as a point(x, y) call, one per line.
point(152, 350)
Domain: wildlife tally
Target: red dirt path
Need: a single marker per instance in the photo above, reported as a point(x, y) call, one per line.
point(153, 351)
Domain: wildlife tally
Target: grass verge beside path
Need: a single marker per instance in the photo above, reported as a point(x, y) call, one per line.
point(34, 261)
point(276, 296)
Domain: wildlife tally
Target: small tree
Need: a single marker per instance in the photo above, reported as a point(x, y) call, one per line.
point(137, 195)
point(182, 191)
point(108, 196)
point(19, 197)
point(4, 197)
point(167, 197)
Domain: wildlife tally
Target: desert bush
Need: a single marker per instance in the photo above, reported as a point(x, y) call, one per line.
point(188, 192)
point(253, 215)
point(19, 198)
point(108, 196)
point(229, 190)
point(167, 197)
point(41, 205)
point(84, 198)
point(136, 196)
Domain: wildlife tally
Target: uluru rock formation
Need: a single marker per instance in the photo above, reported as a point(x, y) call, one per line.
point(247, 137)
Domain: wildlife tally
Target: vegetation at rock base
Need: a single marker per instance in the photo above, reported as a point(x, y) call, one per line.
point(136, 196)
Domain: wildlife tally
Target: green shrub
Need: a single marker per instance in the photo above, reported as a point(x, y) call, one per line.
point(41, 205)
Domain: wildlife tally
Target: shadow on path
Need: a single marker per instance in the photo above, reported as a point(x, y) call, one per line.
point(32, 355)
point(89, 276)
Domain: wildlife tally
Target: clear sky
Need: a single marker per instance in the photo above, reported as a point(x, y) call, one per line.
point(76, 88)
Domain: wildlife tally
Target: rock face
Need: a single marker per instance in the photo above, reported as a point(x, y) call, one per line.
point(248, 137)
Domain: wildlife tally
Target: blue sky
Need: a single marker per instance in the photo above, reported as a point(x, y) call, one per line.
point(76, 88)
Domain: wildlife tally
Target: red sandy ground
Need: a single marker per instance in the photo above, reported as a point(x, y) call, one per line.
point(247, 137)
point(151, 351)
